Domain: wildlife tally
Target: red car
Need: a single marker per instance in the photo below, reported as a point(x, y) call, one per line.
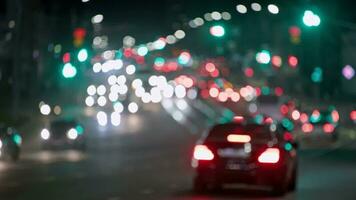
point(246, 154)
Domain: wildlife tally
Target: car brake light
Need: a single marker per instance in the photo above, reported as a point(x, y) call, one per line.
point(328, 128)
point(202, 152)
point(335, 116)
point(238, 119)
point(270, 155)
point(307, 128)
point(238, 138)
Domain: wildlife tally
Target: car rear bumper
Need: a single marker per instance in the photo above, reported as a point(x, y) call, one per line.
point(256, 176)
point(63, 144)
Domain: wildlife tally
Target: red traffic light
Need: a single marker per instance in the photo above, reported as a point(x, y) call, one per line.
point(79, 33)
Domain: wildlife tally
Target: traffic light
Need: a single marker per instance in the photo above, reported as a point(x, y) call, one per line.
point(217, 31)
point(317, 75)
point(294, 33)
point(311, 19)
point(69, 71)
point(66, 57)
point(79, 36)
point(263, 57)
point(82, 55)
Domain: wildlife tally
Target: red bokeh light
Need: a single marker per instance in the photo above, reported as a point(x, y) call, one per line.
point(278, 91)
point(335, 116)
point(276, 61)
point(258, 91)
point(66, 58)
point(304, 118)
point(215, 73)
point(353, 115)
point(268, 120)
point(79, 33)
point(249, 72)
point(172, 66)
point(328, 128)
point(294, 31)
point(315, 113)
point(204, 93)
point(128, 53)
point(284, 109)
point(140, 60)
point(293, 61)
point(210, 67)
point(307, 128)
point(288, 136)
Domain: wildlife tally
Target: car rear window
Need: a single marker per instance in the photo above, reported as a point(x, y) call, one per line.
point(258, 133)
point(61, 127)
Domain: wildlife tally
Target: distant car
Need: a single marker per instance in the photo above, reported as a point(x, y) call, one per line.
point(246, 154)
point(63, 134)
point(10, 143)
point(323, 122)
point(270, 105)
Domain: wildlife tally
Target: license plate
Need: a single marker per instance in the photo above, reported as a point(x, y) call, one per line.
point(58, 142)
point(318, 130)
point(233, 153)
point(234, 164)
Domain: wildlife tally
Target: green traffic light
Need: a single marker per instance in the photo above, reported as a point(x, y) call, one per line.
point(69, 71)
point(142, 50)
point(317, 75)
point(263, 57)
point(311, 19)
point(217, 31)
point(82, 55)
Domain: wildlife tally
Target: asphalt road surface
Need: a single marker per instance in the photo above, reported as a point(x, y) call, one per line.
point(148, 157)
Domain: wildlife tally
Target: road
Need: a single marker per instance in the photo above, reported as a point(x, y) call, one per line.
point(148, 158)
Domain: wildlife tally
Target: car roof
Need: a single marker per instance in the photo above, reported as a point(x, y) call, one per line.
point(63, 121)
point(259, 133)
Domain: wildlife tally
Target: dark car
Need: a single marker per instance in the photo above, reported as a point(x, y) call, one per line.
point(246, 154)
point(10, 143)
point(323, 122)
point(63, 134)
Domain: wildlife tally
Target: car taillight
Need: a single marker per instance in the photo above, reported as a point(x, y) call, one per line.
point(270, 155)
point(328, 128)
point(202, 152)
point(307, 128)
point(335, 116)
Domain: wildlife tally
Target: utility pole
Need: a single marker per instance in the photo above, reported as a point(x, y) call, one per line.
point(15, 12)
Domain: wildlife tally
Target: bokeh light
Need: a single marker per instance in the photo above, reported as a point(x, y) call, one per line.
point(348, 72)
point(133, 107)
point(102, 118)
point(241, 9)
point(45, 109)
point(273, 9)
